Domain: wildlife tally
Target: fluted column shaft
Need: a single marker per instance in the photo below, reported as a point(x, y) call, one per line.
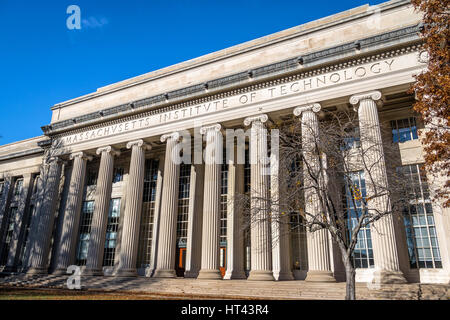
point(4, 206)
point(72, 212)
point(211, 203)
point(132, 217)
point(235, 231)
point(260, 229)
point(94, 263)
point(14, 244)
point(387, 266)
point(43, 225)
point(319, 262)
point(165, 265)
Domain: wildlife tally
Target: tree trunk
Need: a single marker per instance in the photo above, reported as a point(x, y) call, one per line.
point(350, 290)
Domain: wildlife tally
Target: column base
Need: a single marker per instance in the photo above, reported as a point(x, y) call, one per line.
point(161, 273)
point(126, 273)
point(234, 275)
point(209, 274)
point(285, 276)
point(191, 274)
point(33, 271)
point(320, 276)
point(261, 275)
point(93, 272)
point(387, 276)
point(9, 269)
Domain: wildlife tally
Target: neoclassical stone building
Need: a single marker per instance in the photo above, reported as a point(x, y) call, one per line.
point(98, 188)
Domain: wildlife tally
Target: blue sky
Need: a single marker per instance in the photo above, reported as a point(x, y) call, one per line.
point(42, 62)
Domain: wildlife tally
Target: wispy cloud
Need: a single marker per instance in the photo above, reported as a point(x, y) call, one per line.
point(94, 23)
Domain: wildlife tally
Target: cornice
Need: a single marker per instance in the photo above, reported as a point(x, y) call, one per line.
point(302, 66)
point(22, 154)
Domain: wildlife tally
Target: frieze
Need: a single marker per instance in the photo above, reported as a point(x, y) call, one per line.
point(276, 90)
point(279, 67)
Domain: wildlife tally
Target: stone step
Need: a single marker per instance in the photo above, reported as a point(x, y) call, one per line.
point(232, 288)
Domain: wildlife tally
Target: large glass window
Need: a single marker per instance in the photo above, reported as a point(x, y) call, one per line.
point(91, 179)
point(404, 129)
point(111, 232)
point(183, 205)
point(117, 174)
point(423, 247)
point(26, 236)
point(298, 242)
point(247, 188)
point(84, 234)
point(223, 204)
point(352, 139)
point(18, 187)
point(148, 212)
point(8, 235)
point(363, 253)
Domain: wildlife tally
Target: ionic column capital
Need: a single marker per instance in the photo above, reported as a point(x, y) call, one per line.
point(259, 118)
point(108, 149)
point(81, 155)
point(174, 136)
point(215, 127)
point(140, 143)
point(371, 95)
point(314, 107)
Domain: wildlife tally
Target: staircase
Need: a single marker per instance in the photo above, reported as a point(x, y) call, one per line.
point(231, 289)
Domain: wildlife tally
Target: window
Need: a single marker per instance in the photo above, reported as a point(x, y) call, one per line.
point(351, 140)
point(91, 179)
point(35, 184)
point(8, 236)
point(183, 205)
point(26, 236)
point(111, 232)
point(363, 253)
point(18, 187)
point(223, 204)
point(404, 129)
point(85, 230)
point(423, 247)
point(298, 242)
point(117, 175)
point(247, 188)
point(148, 212)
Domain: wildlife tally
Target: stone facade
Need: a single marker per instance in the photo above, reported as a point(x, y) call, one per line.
point(100, 188)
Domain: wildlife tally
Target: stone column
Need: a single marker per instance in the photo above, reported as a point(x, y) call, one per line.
point(194, 237)
point(319, 262)
point(4, 206)
point(387, 266)
point(94, 261)
point(281, 253)
point(156, 217)
point(15, 245)
point(165, 265)
point(260, 233)
point(211, 203)
point(235, 231)
point(43, 224)
point(67, 244)
point(133, 208)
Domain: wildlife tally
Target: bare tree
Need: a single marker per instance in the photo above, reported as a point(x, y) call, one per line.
point(319, 178)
